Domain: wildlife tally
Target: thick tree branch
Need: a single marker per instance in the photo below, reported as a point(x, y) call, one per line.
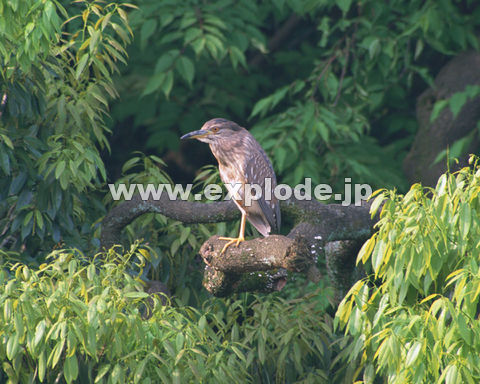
point(434, 136)
point(185, 211)
point(277, 39)
point(276, 252)
point(259, 264)
point(340, 257)
point(317, 226)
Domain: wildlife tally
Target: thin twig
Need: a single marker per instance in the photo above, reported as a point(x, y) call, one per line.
point(9, 219)
point(344, 70)
point(319, 77)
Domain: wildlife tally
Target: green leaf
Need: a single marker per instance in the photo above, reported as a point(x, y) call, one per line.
point(280, 156)
point(121, 32)
point(148, 28)
point(202, 322)
point(13, 4)
point(38, 219)
point(42, 365)
point(165, 62)
point(451, 374)
point(321, 128)
point(5, 161)
point(366, 250)
point(192, 34)
point(465, 220)
point(373, 48)
point(168, 84)
point(29, 28)
point(7, 141)
point(261, 107)
point(17, 183)
point(437, 108)
point(175, 246)
point(91, 272)
point(456, 102)
point(184, 234)
point(102, 372)
point(237, 56)
point(261, 349)
point(216, 21)
point(179, 340)
point(50, 10)
point(472, 91)
point(139, 371)
point(198, 45)
point(28, 218)
point(154, 83)
point(344, 5)
point(59, 169)
point(81, 65)
point(376, 204)
point(464, 329)
point(413, 353)
point(418, 49)
point(78, 146)
point(136, 295)
point(459, 146)
point(214, 46)
point(94, 41)
point(378, 255)
point(56, 353)
point(186, 69)
point(117, 374)
point(188, 19)
point(441, 155)
point(27, 227)
point(13, 346)
point(168, 347)
point(70, 368)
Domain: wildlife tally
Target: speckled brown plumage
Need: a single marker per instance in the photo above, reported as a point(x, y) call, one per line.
point(242, 160)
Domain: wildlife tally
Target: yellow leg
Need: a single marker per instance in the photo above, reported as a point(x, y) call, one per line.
point(236, 240)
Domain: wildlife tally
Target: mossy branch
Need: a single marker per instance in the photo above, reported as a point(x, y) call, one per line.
point(259, 264)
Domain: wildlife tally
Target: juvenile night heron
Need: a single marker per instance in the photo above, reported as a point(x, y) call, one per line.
point(242, 161)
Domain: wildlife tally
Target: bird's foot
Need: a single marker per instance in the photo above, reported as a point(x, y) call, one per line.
point(231, 240)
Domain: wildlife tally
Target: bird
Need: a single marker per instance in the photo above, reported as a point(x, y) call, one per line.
point(241, 160)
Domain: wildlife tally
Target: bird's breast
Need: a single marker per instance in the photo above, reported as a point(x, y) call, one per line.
point(231, 164)
point(231, 175)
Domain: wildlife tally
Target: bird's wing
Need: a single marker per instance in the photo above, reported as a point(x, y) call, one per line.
point(263, 214)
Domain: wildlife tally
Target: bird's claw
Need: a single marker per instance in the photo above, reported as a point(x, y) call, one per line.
point(231, 240)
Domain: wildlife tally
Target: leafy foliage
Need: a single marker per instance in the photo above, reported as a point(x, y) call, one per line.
point(414, 318)
point(335, 98)
point(185, 52)
point(329, 88)
point(366, 61)
point(55, 77)
point(171, 244)
point(336, 95)
point(81, 318)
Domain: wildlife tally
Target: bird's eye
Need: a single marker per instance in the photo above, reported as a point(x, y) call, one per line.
point(215, 129)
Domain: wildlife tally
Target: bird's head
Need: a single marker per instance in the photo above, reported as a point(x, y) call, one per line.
point(214, 131)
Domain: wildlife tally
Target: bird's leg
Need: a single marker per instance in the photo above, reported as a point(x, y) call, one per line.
point(236, 240)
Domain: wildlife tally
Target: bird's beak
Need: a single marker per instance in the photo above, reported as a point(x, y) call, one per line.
point(196, 134)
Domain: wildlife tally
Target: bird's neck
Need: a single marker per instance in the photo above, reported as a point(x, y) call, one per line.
point(229, 156)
